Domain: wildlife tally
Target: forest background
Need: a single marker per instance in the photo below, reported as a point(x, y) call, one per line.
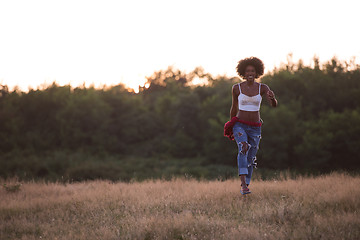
point(174, 127)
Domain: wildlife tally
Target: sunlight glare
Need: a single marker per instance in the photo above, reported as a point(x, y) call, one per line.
point(126, 41)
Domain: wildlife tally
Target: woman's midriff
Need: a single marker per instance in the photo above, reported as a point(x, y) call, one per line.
point(248, 116)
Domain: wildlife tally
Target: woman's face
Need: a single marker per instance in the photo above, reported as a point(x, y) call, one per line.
point(250, 73)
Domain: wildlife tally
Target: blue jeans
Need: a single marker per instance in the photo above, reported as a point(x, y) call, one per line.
point(248, 139)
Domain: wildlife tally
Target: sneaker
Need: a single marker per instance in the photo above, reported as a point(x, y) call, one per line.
point(244, 191)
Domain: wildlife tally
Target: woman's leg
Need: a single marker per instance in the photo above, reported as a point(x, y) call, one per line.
point(241, 139)
point(254, 136)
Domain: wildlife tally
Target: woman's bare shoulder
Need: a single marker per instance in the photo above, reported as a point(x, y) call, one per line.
point(235, 88)
point(264, 88)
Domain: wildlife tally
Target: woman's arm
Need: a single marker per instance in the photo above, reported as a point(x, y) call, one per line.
point(234, 105)
point(270, 96)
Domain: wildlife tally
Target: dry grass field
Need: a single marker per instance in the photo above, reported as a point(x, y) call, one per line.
point(326, 207)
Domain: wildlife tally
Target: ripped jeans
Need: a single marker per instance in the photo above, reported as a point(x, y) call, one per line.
point(247, 138)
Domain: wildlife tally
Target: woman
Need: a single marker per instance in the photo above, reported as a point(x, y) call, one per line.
point(245, 123)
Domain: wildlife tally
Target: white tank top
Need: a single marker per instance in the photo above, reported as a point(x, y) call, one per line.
point(251, 104)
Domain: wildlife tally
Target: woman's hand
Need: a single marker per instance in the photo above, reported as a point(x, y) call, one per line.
point(271, 98)
point(271, 94)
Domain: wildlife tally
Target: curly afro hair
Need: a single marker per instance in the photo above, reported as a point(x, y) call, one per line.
point(253, 61)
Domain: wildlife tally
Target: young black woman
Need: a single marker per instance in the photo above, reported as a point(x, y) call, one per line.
point(245, 123)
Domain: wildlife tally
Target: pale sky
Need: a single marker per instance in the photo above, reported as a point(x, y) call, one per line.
point(108, 42)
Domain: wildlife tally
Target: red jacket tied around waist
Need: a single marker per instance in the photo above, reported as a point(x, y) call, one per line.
point(228, 127)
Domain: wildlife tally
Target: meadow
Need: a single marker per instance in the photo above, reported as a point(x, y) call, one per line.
point(322, 207)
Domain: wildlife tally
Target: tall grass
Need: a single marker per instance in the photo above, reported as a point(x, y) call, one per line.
point(323, 207)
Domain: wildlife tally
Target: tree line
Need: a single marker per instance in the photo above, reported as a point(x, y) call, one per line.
point(314, 128)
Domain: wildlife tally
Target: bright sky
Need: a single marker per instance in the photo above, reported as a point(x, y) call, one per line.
point(108, 42)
